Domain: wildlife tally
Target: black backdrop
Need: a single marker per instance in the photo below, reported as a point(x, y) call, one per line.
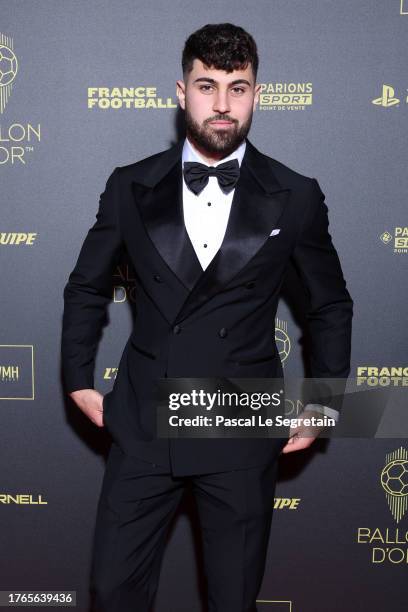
point(334, 107)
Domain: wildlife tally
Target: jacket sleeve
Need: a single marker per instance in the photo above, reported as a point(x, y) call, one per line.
point(330, 308)
point(89, 290)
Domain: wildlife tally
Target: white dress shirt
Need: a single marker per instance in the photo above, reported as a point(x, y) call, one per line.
point(206, 217)
point(206, 214)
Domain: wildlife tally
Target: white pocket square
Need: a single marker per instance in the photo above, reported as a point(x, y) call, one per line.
point(274, 232)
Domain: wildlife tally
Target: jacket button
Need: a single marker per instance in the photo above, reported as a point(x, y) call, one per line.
point(222, 332)
point(158, 278)
point(250, 285)
point(176, 329)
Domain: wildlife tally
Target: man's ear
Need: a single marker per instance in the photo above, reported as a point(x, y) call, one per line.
point(181, 93)
point(256, 95)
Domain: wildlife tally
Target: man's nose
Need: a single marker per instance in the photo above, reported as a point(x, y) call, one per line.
point(221, 103)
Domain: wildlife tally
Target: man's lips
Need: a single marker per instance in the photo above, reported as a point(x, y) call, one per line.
point(221, 122)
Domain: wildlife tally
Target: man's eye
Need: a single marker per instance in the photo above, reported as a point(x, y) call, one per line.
point(235, 89)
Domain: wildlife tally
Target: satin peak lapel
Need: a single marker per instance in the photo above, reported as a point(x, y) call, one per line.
point(161, 210)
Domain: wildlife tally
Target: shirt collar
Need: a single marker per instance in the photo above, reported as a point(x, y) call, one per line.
point(190, 153)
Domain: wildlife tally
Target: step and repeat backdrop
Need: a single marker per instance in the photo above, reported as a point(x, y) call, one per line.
point(86, 86)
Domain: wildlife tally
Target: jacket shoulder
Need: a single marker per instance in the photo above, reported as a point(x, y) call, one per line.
point(147, 169)
point(289, 176)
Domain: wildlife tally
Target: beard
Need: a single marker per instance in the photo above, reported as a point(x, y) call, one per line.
point(217, 141)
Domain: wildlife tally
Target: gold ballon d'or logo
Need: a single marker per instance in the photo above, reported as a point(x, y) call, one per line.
point(282, 339)
point(8, 69)
point(394, 480)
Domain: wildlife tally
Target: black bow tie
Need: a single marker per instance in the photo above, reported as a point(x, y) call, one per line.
point(196, 175)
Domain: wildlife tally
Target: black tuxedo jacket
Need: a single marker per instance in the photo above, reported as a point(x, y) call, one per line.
point(193, 323)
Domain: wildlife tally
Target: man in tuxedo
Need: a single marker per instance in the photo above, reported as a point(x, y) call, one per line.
point(210, 226)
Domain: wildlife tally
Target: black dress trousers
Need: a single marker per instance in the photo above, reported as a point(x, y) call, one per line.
point(137, 502)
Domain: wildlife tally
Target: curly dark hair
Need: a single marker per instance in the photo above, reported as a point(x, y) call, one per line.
point(222, 46)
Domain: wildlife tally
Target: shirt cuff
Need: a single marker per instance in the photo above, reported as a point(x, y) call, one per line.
point(330, 412)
